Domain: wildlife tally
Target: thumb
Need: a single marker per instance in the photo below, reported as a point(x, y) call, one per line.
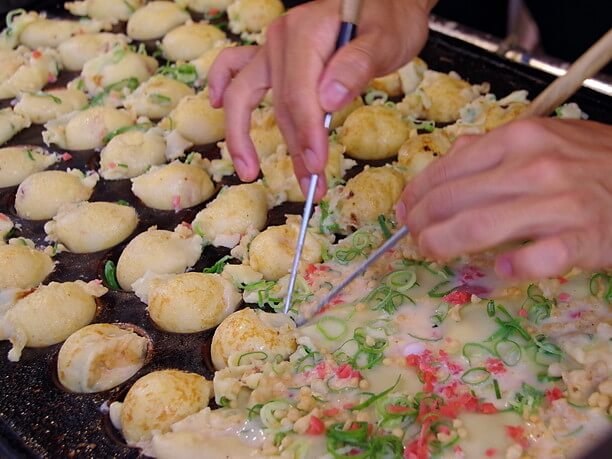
point(348, 72)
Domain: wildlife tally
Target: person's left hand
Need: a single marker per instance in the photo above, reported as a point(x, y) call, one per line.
point(544, 180)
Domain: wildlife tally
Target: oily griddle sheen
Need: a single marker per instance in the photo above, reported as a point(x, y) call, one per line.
point(38, 418)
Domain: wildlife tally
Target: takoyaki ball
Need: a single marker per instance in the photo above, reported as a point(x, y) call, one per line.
point(118, 64)
point(41, 107)
point(232, 213)
point(252, 16)
point(99, 357)
point(497, 115)
point(111, 11)
point(16, 21)
point(369, 194)
point(159, 252)
point(159, 399)
point(11, 60)
point(173, 187)
point(205, 6)
point(373, 132)
point(156, 97)
point(195, 120)
point(25, 267)
point(17, 163)
point(6, 227)
point(412, 74)
point(155, 20)
point(248, 331)
point(439, 97)
point(265, 134)
point(280, 178)
point(86, 129)
point(36, 70)
point(87, 227)
point(204, 62)
point(390, 84)
point(76, 51)
point(132, 153)
point(191, 302)
point(10, 124)
point(271, 252)
point(190, 40)
point(49, 315)
point(50, 33)
point(40, 196)
point(421, 149)
point(340, 116)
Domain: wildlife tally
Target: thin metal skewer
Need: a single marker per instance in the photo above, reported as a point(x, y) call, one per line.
point(393, 240)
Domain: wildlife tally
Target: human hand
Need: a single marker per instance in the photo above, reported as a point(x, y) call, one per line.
point(295, 62)
point(546, 180)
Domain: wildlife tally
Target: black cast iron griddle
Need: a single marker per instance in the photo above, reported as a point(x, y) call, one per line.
point(38, 418)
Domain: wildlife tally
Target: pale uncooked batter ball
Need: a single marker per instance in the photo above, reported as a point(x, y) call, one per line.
point(247, 331)
point(41, 107)
point(369, 194)
point(36, 70)
point(420, 150)
point(118, 64)
point(157, 97)
point(191, 302)
point(197, 121)
point(87, 227)
point(190, 40)
point(10, 124)
point(373, 132)
point(111, 11)
point(232, 213)
point(24, 267)
point(76, 51)
point(159, 399)
point(265, 133)
point(253, 15)
point(271, 251)
point(99, 357)
point(87, 129)
point(17, 163)
point(132, 153)
point(157, 251)
point(50, 33)
point(40, 196)
point(173, 187)
point(155, 20)
point(49, 315)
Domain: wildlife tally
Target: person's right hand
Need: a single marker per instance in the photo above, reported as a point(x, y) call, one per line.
point(296, 62)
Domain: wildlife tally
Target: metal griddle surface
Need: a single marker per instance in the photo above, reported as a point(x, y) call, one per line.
point(38, 418)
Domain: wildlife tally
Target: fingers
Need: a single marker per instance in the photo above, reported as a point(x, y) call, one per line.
point(229, 62)
point(482, 228)
point(242, 95)
point(548, 257)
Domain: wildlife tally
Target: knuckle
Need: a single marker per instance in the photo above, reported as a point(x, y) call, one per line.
point(548, 170)
point(528, 129)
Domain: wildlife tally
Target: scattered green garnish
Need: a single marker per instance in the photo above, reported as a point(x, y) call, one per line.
point(110, 275)
point(217, 268)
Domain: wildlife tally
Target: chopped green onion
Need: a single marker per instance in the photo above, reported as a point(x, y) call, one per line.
point(129, 83)
point(401, 280)
point(491, 308)
point(198, 229)
point(254, 411)
point(185, 73)
point(384, 222)
point(332, 328)
point(543, 377)
point(496, 388)
point(475, 352)
point(30, 156)
point(420, 338)
point(55, 99)
point(129, 6)
point(224, 402)
point(475, 376)
point(374, 96)
point(249, 358)
point(601, 284)
point(123, 202)
point(428, 126)
point(217, 268)
point(441, 289)
point(160, 99)
point(122, 130)
point(11, 15)
point(110, 275)
point(508, 351)
point(374, 397)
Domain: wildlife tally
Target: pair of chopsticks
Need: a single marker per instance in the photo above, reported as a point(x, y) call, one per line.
point(587, 65)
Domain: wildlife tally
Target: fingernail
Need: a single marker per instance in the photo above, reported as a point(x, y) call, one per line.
point(334, 94)
point(304, 185)
point(503, 266)
point(400, 211)
point(241, 167)
point(310, 160)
